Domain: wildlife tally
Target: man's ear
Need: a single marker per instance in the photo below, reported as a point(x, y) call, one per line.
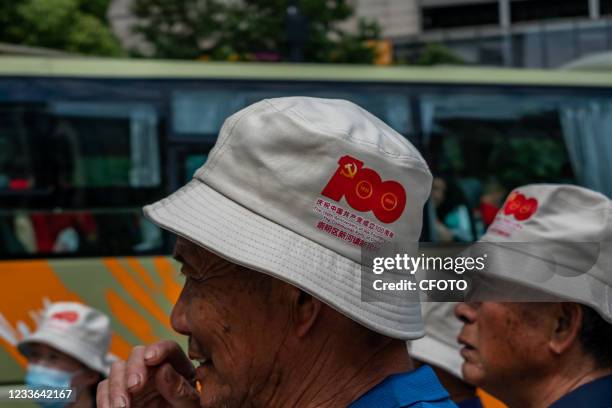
point(567, 327)
point(306, 309)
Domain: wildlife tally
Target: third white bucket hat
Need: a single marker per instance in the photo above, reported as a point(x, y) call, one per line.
point(76, 329)
point(555, 240)
point(439, 347)
point(296, 187)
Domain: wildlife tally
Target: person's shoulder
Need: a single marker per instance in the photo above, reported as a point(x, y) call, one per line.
point(595, 394)
point(447, 403)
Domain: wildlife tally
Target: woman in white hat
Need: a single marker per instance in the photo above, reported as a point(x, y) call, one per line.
point(68, 350)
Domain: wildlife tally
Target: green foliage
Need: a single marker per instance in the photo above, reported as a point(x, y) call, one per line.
point(435, 53)
point(514, 157)
point(529, 158)
point(70, 25)
point(178, 28)
point(248, 29)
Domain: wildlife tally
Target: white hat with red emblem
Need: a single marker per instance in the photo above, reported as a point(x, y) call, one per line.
point(75, 329)
point(439, 347)
point(552, 240)
point(296, 188)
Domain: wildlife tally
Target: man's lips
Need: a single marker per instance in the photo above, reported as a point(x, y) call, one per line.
point(199, 358)
point(468, 348)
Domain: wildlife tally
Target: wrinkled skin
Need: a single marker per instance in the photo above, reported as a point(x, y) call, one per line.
point(234, 319)
point(503, 341)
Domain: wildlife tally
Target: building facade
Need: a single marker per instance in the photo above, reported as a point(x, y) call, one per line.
point(514, 33)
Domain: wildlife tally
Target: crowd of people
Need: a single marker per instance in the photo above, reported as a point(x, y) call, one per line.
point(272, 302)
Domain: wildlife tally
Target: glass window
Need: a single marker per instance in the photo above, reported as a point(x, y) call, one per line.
point(73, 177)
point(481, 146)
point(192, 163)
point(527, 10)
point(203, 111)
point(84, 232)
point(78, 145)
point(465, 15)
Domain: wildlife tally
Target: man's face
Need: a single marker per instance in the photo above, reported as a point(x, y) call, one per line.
point(504, 343)
point(236, 322)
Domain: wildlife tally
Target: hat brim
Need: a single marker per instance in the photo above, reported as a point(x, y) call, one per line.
point(519, 267)
point(437, 353)
point(70, 346)
point(204, 216)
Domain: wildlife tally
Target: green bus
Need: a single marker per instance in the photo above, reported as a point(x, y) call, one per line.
point(85, 143)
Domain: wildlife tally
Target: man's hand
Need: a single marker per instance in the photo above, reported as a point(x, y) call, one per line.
point(158, 375)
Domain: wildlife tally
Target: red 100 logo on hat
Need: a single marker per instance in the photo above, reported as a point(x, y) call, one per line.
point(520, 206)
point(68, 316)
point(365, 191)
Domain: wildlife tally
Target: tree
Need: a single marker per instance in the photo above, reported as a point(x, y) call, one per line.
point(435, 53)
point(254, 30)
point(71, 25)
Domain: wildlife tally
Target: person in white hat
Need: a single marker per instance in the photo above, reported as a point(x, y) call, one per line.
point(440, 349)
point(68, 350)
point(271, 231)
point(550, 247)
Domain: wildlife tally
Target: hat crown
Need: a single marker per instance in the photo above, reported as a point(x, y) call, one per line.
point(78, 320)
point(278, 158)
point(547, 212)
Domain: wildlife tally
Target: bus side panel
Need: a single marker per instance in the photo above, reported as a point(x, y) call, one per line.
point(137, 293)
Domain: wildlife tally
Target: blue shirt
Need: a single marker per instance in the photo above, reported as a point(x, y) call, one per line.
point(596, 394)
point(471, 403)
point(419, 388)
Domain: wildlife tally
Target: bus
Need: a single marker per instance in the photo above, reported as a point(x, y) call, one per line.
point(86, 142)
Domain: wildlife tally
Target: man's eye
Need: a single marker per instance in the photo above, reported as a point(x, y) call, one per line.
point(196, 277)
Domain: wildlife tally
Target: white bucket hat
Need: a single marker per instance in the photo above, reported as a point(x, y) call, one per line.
point(555, 240)
point(296, 187)
point(439, 347)
point(77, 330)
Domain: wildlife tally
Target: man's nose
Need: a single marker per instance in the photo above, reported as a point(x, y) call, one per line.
point(178, 318)
point(466, 312)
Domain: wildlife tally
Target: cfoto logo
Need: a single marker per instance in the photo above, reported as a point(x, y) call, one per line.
point(520, 206)
point(68, 316)
point(364, 190)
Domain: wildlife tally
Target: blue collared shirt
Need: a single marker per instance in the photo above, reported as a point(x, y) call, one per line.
point(471, 403)
point(419, 388)
point(596, 394)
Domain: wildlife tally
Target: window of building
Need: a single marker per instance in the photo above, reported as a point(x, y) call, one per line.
point(529, 10)
point(465, 15)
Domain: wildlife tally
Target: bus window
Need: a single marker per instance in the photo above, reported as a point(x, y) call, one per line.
point(74, 176)
point(481, 146)
point(192, 163)
point(120, 148)
point(202, 112)
point(16, 123)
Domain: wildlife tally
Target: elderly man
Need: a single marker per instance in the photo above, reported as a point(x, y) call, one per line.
point(549, 242)
point(271, 231)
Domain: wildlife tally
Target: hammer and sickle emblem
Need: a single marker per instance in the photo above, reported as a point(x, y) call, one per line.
point(349, 170)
